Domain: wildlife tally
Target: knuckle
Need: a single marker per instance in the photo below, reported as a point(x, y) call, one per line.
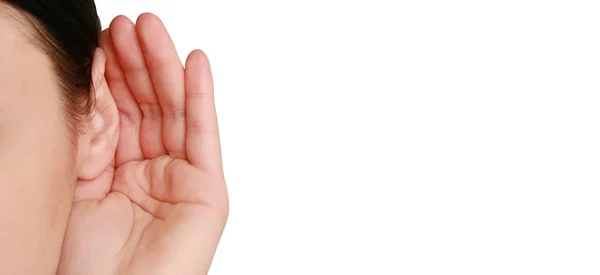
point(172, 111)
point(130, 118)
point(199, 128)
point(200, 94)
point(151, 111)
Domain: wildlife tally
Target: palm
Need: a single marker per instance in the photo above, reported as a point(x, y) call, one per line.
point(160, 209)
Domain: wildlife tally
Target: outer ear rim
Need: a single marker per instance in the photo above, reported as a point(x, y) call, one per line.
point(102, 133)
point(98, 70)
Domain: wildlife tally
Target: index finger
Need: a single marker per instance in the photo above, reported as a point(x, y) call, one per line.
point(203, 144)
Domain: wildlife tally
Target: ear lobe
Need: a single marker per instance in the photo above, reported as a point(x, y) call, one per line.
point(97, 147)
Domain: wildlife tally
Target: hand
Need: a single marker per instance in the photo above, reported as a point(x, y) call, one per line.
point(162, 206)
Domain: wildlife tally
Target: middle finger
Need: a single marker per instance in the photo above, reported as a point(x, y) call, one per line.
point(131, 58)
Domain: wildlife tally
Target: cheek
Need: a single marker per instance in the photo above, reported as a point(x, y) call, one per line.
point(36, 178)
point(35, 162)
point(36, 174)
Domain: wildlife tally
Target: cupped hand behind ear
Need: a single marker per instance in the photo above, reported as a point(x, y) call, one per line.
point(160, 206)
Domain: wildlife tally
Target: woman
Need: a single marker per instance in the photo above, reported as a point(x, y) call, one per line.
point(110, 160)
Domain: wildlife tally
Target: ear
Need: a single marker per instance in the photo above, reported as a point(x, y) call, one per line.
point(97, 147)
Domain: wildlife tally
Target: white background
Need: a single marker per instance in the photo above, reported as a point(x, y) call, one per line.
point(402, 137)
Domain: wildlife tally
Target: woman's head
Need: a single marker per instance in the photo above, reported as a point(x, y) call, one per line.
point(59, 38)
point(67, 32)
point(58, 122)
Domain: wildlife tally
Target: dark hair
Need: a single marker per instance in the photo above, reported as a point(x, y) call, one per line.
point(68, 31)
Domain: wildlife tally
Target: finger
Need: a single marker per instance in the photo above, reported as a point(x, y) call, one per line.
point(202, 133)
point(131, 59)
point(130, 117)
point(166, 73)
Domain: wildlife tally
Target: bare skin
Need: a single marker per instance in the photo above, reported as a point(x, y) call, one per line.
point(32, 160)
point(41, 159)
point(161, 206)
